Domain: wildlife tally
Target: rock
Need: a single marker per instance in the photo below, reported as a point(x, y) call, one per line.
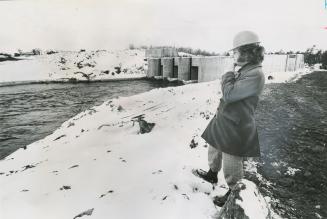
point(145, 127)
point(70, 124)
point(120, 108)
point(307, 173)
point(245, 202)
point(105, 72)
point(118, 69)
point(193, 144)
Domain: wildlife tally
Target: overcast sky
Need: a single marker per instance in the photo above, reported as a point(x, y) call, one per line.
point(205, 24)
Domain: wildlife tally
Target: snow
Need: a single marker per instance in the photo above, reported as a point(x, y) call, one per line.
point(252, 202)
point(98, 65)
point(184, 54)
point(120, 173)
point(284, 77)
point(291, 171)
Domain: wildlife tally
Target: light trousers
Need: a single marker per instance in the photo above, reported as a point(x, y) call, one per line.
point(232, 165)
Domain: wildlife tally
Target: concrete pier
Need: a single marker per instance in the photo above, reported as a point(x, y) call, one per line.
point(184, 67)
point(154, 67)
point(167, 67)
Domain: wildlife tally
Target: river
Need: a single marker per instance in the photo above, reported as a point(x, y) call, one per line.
point(30, 112)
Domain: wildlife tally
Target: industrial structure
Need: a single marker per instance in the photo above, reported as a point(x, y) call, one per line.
point(208, 68)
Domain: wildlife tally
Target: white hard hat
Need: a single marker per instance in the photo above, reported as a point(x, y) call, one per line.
point(244, 38)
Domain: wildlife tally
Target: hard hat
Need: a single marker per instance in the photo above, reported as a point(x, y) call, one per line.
point(244, 38)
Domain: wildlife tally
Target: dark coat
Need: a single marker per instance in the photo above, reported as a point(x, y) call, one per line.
point(233, 130)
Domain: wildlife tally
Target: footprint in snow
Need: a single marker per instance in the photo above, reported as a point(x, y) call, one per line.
point(87, 212)
point(110, 191)
point(73, 166)
point(122, 160)
point(65, 187)
point(186, 196)
point(61, 136)
point(29, 166)
point(157, 172)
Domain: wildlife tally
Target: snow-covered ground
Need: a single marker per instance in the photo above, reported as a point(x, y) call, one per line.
point(282, 77)
point(88, 65)
point(98, 163)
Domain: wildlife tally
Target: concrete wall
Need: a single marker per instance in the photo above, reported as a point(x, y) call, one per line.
point(281, 63)
point(291, 63)
point(184, 67)
point(168, 67)
point(211, 68)
point(274, 63)
point(299, 61)
point(153, 67)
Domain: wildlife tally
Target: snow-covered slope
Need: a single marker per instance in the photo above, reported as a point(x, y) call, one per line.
point(98, 163)
point(88, 65)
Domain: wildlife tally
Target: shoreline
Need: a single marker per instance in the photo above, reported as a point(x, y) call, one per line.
point(67, 81)
point(17, 83)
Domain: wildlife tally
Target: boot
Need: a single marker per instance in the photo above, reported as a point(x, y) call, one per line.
point(209, 176)
point(221, 200)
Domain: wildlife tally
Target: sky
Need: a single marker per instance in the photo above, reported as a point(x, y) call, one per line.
point(206, 24)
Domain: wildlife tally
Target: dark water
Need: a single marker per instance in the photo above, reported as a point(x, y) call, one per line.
point(32, 111)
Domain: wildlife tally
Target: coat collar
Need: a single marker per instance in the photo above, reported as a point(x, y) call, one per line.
point(249, 66)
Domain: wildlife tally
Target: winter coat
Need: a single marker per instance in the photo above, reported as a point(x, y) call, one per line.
point(233, 129)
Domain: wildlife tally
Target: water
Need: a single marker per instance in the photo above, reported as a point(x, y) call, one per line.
point(32, 111)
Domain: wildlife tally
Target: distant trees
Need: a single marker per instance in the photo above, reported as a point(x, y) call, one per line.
point(195, 51)
point(188, 50)
point(131, 46)
point(312, 55)
point(324, 60)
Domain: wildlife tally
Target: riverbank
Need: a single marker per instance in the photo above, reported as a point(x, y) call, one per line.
point(17, 83)
point(30, 112)
point(91, 160)
point(69, 66)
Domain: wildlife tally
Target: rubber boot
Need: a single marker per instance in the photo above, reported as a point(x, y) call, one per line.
point(221, 200)
point(209, 176)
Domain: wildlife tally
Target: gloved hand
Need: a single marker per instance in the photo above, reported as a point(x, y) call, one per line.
point(227, 77)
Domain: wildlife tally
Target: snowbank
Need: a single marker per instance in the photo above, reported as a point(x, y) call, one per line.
point(282, 77)
point(89, 65)
point(97, 160)
point(245, 201)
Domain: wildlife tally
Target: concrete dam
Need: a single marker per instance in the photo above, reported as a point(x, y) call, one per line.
point(208, 68)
